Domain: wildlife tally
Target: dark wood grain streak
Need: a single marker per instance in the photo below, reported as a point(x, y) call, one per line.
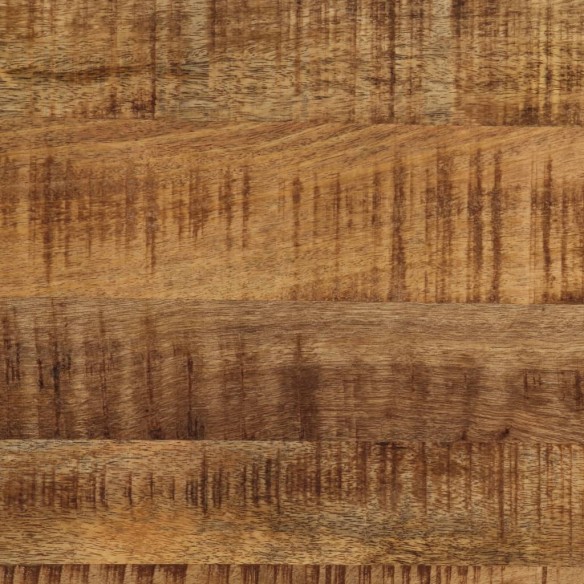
point(140, 369)
point(296, 212)
point(299, 502)
point(409, 61)
point(286, 574)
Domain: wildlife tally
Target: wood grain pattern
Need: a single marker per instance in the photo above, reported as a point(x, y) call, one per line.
point(517, 62)
point(290, 371)
point(301, 503)
point(267, 212)
point(184, 185)
point(287, 574)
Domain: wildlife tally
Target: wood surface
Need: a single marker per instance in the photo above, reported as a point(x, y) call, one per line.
point(288, 574)
point(292, 212)
point(518, 62)
point(350, 502)
point(137, 369)
point(291, 292)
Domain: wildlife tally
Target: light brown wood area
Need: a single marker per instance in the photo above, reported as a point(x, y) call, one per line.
point(290, 371)
point(267, 212)
point(291, 292)
point(288, 574)
point(518, 62)
point(299, 502)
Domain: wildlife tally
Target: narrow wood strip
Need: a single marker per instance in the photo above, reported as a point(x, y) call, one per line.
point(452, 61)
point(286, 574)
point(266, 212)
point(301, 503)
point(290, 371)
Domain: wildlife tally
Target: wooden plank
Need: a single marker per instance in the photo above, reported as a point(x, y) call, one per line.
point(517, 62)
point(287, 574)
point(290, 371)
point(267, 212)
point(299, 503)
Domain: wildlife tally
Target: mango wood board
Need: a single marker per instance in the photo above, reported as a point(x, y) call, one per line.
point(290, 371)
point(296, 502)
point(288, 574)
point(518, 62)
point(288, 211)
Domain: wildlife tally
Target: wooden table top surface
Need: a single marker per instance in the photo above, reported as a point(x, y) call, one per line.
point(291, 292)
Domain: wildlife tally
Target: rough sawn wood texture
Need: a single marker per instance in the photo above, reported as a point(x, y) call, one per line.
point(288, 574)
point(290, 371)
point(299, 502)
point(280, 288)
point(518, 62)
point(293, 212)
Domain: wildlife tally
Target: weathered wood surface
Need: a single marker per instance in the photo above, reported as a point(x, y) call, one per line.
point(290, 371)
point(287, 574)
point(299, 502)
point(267, 212)
point(517, 62)
point(161, 157)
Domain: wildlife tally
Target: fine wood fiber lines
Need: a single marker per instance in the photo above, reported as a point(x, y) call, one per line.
point(287, 574)
point(407, 61)
point(486, 503)
point(397, 214)
point(279, 371)
point(290, 292)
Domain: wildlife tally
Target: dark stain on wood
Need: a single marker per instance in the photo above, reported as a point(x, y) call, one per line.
point(547, 200)
point(296, 204)
point(496, 228)
point(444, 219)
point(475, 220)
point(398, 259)
point(245, 208)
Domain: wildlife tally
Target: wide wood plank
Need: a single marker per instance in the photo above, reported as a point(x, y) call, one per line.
point(266, 212)
point(407, 61)
point(299, 503)
point(287, 574)
point(290, 371)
